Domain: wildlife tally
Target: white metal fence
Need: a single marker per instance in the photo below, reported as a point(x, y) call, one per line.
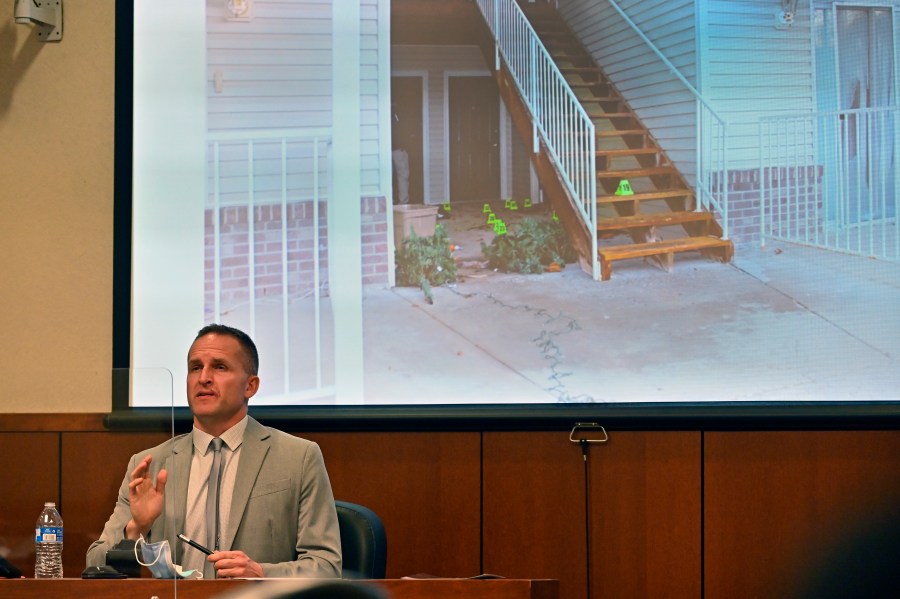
point(557, 117)
point(827, 179)
point(266, 251)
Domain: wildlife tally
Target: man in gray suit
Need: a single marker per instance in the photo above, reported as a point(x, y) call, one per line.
point(278, 517)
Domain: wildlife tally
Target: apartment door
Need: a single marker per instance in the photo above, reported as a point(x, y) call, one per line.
point(407, 131)
point(474, 144)
point(855, 58)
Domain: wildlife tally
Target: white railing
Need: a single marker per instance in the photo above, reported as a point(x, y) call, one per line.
point(712, 164)
point(270, 262)
point(711, 186)
point(558, 119)
point(828, 180)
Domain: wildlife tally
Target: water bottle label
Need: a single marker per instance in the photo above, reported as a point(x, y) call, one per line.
point(48, 534)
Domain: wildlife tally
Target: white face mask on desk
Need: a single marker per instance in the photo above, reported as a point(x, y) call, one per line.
point(158, 558)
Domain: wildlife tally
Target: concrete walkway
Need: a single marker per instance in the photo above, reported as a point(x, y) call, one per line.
point(780, 323)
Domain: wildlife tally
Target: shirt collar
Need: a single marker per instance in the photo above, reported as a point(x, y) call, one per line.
point(232, 438)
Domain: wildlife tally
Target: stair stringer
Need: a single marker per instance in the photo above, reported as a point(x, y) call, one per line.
point(555, 190)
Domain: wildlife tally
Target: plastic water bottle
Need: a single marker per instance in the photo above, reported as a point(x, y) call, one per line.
point(48, 543)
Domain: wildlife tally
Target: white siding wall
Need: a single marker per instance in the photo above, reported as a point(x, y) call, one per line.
point(275, 72)
point(275, 69)
point(753, 69)
point(436, 61)
point(730, 50)
point(372, 29)
point(660, 100)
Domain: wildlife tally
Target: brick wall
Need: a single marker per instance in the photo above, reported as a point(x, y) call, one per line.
point(743, 205)
point(375, 240)
point(794, 190)
point(301, 225)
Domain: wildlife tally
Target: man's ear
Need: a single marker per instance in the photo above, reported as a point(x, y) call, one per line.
point(252, 387)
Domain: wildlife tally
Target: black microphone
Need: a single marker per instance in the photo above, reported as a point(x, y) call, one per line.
point(7, 570)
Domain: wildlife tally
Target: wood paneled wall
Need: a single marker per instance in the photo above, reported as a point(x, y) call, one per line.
point(93, 466)
point(426, 487)
point(648, 514)
point(777, 503)
point(28, 478)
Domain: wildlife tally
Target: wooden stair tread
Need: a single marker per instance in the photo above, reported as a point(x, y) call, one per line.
point(591, 87)
point(636, 172)
point(620, 132)
point(626, 151)
point(598, 99)
point(611, 115)
point(658, 219)
point(599, 113)
point(542, 11)
point(670, 246)
point(612, 152)
point(646, 195)
point(574, 70)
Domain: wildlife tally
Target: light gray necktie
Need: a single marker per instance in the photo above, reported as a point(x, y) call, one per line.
point(212, 499)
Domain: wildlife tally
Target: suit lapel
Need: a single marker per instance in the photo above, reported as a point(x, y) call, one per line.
point(178, 465)
point(254, 448)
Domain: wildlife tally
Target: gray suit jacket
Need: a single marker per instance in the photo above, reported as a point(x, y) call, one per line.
point(282, 505)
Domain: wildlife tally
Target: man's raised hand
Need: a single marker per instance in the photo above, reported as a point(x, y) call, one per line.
point(146, 498)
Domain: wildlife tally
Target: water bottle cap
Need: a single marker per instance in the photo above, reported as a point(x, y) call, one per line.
point(50, 504)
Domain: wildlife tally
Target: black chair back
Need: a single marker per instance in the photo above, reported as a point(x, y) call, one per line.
point(363, 541)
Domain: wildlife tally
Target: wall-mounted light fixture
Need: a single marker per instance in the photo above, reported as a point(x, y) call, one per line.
point(784, 18)
point(238, 10)
point(46, 15)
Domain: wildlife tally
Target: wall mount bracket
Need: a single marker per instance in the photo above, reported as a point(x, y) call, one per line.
point(46, 15)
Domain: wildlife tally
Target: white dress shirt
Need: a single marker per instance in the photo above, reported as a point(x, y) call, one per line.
point(201, 463)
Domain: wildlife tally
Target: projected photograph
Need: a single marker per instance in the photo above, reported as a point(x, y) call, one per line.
point(498, 202)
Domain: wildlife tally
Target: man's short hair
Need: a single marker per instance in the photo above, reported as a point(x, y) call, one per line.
point(251, 356)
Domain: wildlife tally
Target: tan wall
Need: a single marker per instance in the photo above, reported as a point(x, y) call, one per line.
point(56, 211)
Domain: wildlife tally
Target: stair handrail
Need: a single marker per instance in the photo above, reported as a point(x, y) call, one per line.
point(707, 180)
point(557, 116)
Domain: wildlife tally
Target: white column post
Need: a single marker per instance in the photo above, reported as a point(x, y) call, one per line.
point(344, 221)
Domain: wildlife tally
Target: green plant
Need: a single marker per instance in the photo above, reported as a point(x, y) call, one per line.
point(530, 247)
point(425, 261)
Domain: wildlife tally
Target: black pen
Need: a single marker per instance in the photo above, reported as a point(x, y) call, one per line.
point(194, 544)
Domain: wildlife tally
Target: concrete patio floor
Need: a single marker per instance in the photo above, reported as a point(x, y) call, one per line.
point(783, 322)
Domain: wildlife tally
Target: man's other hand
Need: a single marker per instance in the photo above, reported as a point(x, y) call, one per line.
point(235, 564)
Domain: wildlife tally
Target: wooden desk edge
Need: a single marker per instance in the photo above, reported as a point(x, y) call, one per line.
point(404, 588)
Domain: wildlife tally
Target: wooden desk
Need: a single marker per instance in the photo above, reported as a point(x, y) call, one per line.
point(146, 588)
